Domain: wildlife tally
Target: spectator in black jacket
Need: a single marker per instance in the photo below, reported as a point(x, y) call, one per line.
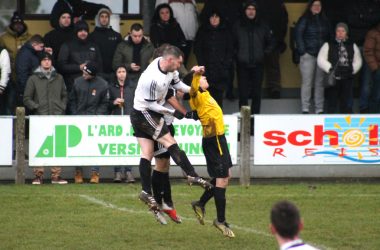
point(107, 39)
point(63, 32)
point(89, 96)
point(274, 13)
point(253, 40)
point(165, 29)
point(75, 54)
point(26, 62)
point(214, 49)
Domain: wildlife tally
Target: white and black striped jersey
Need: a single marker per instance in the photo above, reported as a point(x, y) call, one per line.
point(153, 86)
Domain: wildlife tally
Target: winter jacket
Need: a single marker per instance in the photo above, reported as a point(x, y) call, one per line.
point(107, 40)
point(229, 9)
point(56, 37)
point(89, 97)
point(45, 96)
point(328, 59)
point(361, 16)
point(115, 91)
point(274, 13)
point(253, 39)
point(186, 15)
point(124, 56)
point(72, 54)
point(170, 32)
point(213, 48)
point(13, 43)
point(372, 48)
point(311, 32)
point(26, 62)
point(5, 68)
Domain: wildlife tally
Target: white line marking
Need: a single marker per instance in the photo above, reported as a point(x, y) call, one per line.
point(245, 229)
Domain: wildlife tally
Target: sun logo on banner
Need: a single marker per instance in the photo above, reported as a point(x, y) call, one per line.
point(358, 139)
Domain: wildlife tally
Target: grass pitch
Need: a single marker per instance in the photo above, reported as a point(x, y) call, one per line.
point(109, 216)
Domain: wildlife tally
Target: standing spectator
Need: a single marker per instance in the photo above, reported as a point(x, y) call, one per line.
point(15, 35)
point(185, 12)
point(63, 32)
point(253, 40)
point(165, 28)
point(75, 54)
point(274, 13)
point(213, 48)
point(45, 94)
point(89, 96)
point(134, 53)
point(78, 9)
point(311, 32)
point(372, 57)
point(27, 61)
point(107, 39)
point(362, 15)
point(286, 225)
point(120, 91)
point(5, 71)
point(343, 56)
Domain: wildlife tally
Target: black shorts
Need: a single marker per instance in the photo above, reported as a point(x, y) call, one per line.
point(217, 164)
point(148, 124)
point(159, 150)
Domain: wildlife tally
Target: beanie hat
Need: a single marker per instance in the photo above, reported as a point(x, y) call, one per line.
point(16, 18)
point(342, 25)
point(81, 25)
point(250, 3)
point(91, 68)
point(105, 10)
point(44, 55)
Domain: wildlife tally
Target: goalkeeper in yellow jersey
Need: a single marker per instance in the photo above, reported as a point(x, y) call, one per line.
point(215, 149)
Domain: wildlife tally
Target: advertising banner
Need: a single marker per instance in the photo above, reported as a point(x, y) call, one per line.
point(108, 140)
point(316, 139)
point(6, 134)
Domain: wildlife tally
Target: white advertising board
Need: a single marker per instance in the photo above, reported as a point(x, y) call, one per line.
point(6, 134)
point(108, 140)
point(316, 139)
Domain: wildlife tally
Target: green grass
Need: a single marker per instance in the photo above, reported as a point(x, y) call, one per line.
point(109, 216)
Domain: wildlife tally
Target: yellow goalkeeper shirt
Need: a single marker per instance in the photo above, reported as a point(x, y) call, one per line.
point(209, 112)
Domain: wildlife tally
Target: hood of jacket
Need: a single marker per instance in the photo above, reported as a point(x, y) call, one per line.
point(97, 22)
point(38, 72)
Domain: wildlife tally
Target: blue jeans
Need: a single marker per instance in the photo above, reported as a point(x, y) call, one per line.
point(126, 169)
point(365, 82)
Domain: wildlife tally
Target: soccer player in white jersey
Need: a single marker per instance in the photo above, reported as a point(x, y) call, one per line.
point(147, 118)
point(286, 224)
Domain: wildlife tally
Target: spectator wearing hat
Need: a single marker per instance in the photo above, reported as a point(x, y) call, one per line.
point(342, 56)
point(75, 54)
point(14, 37)
point(89, 96)
point(26, 62)
point(253, 40)
point(63, 31)
point(107, 40)
point(45, 94)
point(213, 48)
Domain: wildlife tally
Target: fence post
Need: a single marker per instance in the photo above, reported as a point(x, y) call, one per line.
point(245, 145)
point(20, 145)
